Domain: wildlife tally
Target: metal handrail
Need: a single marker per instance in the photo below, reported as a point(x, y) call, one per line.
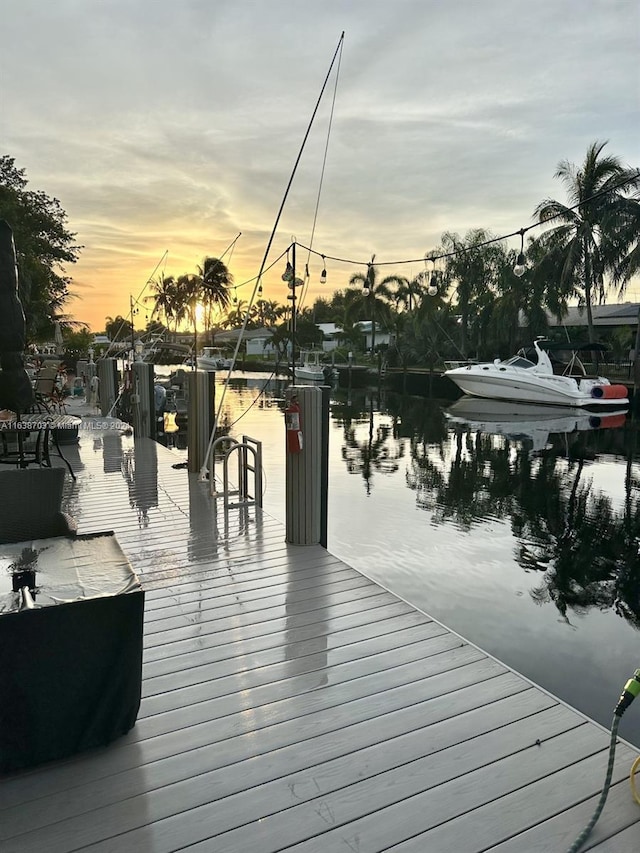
point(249, 457)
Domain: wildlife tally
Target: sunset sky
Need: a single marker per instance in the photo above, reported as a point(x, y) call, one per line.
point(169, 126)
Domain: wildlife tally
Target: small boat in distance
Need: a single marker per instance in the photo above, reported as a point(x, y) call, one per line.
point(311, 367)
point(213, 358)
point(524, 380)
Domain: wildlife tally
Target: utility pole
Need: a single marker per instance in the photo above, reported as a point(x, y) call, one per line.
point(293, 315)
point(133, 342)
point(636, 357)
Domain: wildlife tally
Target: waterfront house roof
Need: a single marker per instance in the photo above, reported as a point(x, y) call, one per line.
point(619, 314)
point(625, 314)
point(231, 335)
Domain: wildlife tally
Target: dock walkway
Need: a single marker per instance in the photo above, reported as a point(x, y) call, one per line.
point(290, 703)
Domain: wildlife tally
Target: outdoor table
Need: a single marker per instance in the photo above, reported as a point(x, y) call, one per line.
point(47, 427)
point(70, 651)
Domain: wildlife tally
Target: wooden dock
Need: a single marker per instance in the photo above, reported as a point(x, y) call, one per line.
point(290, 703)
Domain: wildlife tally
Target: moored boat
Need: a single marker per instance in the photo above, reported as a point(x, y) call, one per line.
point(212, 358)
point(312, 368)
point(522, 379)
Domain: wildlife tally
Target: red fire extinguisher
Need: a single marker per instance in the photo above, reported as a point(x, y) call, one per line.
point(293, 425)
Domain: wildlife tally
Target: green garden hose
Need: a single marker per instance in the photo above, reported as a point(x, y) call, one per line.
point(631, 690)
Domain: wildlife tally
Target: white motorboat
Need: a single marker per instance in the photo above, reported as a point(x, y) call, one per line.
point(524, 380)
point(518, 421)
point(312, 368)
point(213, 358)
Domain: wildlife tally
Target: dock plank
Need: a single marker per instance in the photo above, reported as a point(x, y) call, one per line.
point(290, 703)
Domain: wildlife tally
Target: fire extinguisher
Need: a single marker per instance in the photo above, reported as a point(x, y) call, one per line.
point(293, 425)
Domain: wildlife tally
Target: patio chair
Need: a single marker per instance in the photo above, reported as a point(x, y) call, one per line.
point(48, 395)
point(31, 503)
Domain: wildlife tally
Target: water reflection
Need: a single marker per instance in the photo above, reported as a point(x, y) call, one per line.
point(111, 451)
point(519, 533)
point(140, 470)
point(526, 422)
point(375, 452)
point(529, 466)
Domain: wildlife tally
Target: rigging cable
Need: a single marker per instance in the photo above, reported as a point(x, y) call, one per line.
point(203, 469)
point(164, 256)
point(324, 163)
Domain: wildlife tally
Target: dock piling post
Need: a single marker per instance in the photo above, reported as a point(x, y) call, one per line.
point(200, 416)
point(108, 387)
point(306, 486)
point(143, 400)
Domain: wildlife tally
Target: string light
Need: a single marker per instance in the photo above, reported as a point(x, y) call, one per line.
point(433, 284)
point(367, 282)
point(521, 261)
point(323, 274)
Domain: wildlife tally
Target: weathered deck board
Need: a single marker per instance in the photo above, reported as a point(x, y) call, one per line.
point(291, 703)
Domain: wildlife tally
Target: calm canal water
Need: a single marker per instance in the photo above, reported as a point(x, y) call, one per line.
point(517, 527)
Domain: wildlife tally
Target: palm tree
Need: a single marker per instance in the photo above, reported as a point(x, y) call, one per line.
point(626, 245)
point(377, 294)
point(163, 295)
point(187, 289)
point(214, 282)
point(270, 311)
point(235, 316)
point(409, 293)
point(541, 291)
point(473, 266)
point(586, 240)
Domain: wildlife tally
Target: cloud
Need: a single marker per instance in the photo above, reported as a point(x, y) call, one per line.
point(163, 125)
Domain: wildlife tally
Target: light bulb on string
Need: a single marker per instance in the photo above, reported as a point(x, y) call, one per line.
point(367, 282)
point(259, 290)
point(323, 274)
point(521, 261)
point(432, 290)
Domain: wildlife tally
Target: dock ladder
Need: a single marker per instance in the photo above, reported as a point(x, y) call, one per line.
point(248, 453)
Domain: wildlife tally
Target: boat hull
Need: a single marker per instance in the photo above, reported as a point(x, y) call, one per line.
point(207, 364)
point(314, 375)
point(487, 382)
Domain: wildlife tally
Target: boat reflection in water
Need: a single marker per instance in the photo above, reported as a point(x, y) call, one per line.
point(521, 421)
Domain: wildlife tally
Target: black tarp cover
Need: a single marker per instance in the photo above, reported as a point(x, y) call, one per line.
point(71, 668)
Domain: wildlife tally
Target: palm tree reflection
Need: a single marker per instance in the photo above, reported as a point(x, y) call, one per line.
point(566, 529)
point(374, 453)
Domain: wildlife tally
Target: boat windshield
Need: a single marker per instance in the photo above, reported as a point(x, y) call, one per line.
point(518, 361)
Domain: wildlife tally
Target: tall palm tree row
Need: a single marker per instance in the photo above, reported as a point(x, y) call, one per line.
point(591, 246)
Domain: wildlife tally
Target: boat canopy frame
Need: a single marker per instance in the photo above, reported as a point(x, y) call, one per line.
point(567, 346)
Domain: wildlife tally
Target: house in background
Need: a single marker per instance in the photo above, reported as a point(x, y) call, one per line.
point(258, 341)
point(382, 336)
point(255, 341)
point(331, 335)
point(603, 315)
